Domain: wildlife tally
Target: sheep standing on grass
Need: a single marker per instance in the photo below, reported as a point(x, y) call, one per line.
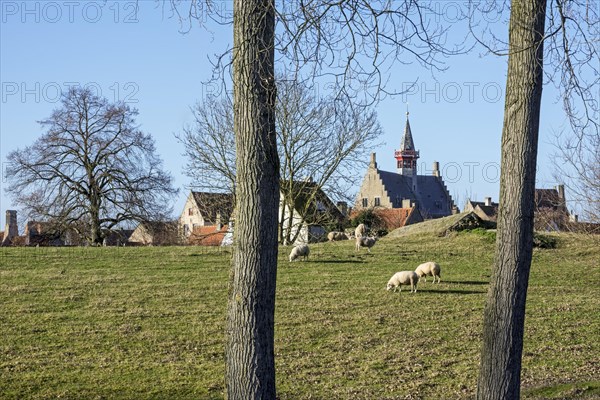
point(360, 230)
point(429, 268)
point(404, 278)
point(299, 251)
point(367, 242)
point(334, 236)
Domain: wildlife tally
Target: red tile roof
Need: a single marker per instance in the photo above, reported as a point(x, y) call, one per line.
point(394, 218)
point(207, 235)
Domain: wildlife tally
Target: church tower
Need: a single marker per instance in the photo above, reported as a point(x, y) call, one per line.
point(406, 156)
point(402, 189)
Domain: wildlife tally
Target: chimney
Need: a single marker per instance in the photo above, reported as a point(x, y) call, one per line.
point(343, 207)
point(436, 168)
point(561, 192)
point(561, 195)
point(218, 221)
point(12, 229)
point(407, 203)
point(373, 161)
point(488, 201)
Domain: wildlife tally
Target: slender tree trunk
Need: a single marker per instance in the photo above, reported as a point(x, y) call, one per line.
point(281, 222)
point(504, 318)
point(250, 359)
point(290, 224)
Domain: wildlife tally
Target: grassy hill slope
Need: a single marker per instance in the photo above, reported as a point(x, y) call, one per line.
point(440, 226)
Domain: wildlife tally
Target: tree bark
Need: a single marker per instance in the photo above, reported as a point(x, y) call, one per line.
point(250, 360)
point(504, 317)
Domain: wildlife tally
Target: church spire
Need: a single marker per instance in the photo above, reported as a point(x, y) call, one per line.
point(407, 156)
point(407, 140)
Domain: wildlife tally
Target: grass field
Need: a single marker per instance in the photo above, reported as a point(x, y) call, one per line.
point(148, 323)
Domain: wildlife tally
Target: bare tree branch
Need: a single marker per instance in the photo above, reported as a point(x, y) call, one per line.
point(94, 165)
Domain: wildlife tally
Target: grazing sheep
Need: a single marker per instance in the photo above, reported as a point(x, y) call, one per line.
point(367, 242)
point(429, 268)
point(334, 236)
point(403, 278)
point(299, 251)
point(360, 230)
point(342, 236)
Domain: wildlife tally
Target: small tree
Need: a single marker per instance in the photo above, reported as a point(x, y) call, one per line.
point(576, 162)
point(322, 144)
point(210, 146)
point(92, 170)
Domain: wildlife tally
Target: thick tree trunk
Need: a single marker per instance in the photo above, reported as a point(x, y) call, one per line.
point(504, 318)
point(250, 359)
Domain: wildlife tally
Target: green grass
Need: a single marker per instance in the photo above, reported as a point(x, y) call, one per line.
point(148, 323)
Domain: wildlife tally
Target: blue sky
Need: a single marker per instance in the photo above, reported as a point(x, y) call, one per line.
point(144, 59)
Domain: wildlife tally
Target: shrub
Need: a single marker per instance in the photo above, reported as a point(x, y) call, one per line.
point(544, 242)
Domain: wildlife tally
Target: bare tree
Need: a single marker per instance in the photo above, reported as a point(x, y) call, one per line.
point(210, 146)
point(531, 43)
point(92, 170)
point(571, 53)
point(575, 50)
point(322, 144)
point(355, 42)
point(250, 352)
point(576, 161)
point(504, 317)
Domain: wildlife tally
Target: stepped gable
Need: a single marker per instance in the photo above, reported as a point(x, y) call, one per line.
point(431, 196)
point(397, 187)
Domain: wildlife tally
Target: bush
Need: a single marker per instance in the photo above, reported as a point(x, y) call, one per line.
point(539, 241)
point(544, 242)
point(374, 223)
point(488, 235)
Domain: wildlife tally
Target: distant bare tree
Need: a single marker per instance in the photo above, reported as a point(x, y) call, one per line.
point(322, 144)
point(210, 146)
point(576, 161)
point(92, 170)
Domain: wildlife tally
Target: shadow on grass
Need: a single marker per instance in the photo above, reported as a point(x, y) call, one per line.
point(451, 291)
point(466, 282)
point(570, 390)
point(340, 261)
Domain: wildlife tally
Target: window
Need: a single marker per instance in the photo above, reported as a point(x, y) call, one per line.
point(377, 201)
point(365, 202)
point(190, 211)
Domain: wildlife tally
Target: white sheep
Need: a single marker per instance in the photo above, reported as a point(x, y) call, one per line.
point(334, 236)
point(429, 268)
point(360, 230)
point(367, 242)
point(299, 251)
point(403, 278)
